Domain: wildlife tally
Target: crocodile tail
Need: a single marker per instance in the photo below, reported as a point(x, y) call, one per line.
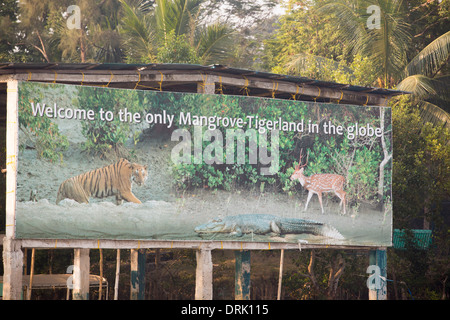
point(294, 225)
point(330, 232)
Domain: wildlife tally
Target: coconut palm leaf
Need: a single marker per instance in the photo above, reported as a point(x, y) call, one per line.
point(175, 15)
point(422, 80)
point(386, 45)
point(429, 61)
point(437, 116)
point(185, 10)
point(137, 30)
point(350, 22)
point(107, 43)
point(213, 43)
point(419, 85)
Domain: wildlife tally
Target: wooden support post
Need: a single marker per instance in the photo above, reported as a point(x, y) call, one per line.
point(377, 279)
point(12, 269)
point(81, 274)
point(242, 275)
point(280, 277)
point(203, 275)
point(12, 252)
point(100, 287)
point(116, 283)
point(137, 277)
point(30, 285)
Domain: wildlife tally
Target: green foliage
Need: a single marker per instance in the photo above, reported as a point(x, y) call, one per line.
point(359, 164)
point(102, 135)
point(301, 31)
point(422, 160)
point(363, 174)
point(315, 273)
point(330, 40)
point(177, 50)
point(222, 176)
point(358, 160)
point(171, 32)
point(49, 143)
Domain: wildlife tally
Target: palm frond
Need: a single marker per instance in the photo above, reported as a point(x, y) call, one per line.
point(175, 15)
point(419, 85)
point(386, 45)
point(437, 116)
point(441, 85)
point(184, 10)
point(213, 43)
point(137, 30)
point(431, 58)
point(349, 21)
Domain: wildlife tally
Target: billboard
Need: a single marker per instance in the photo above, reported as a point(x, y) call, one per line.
point(104, 163)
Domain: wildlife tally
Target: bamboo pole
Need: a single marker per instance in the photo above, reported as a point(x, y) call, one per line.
point(280, 278)
point(116, 284)
point(30, 285)
point(100, 288)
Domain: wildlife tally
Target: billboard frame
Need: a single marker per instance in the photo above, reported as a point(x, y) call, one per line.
point(209, 80)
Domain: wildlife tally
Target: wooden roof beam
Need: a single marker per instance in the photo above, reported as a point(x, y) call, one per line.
point(156, 77)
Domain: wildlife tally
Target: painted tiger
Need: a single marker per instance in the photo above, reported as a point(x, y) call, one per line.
point(112, 180)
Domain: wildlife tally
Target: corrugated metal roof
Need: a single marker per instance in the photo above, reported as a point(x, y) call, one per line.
point(6, 68)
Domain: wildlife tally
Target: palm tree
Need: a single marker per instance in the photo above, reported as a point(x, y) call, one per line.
point(138, 32)
point(388, 45)
point(176, 16)
point(97, 40)
point(423, 77)
point(145, 30)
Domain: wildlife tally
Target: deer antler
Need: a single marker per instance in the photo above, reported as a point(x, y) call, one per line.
point(300, 160)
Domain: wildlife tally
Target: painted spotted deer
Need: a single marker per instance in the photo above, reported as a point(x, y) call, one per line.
point(319, 183)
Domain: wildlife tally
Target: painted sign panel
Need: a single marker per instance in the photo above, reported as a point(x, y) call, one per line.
point(103, 163)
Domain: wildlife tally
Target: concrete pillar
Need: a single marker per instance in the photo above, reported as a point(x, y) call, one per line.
point(13, 269)
point(242, 275)
point(204, 276)
point(81, 274)
point(137, 277)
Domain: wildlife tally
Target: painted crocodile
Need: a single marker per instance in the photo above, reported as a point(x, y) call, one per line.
point(265, 224)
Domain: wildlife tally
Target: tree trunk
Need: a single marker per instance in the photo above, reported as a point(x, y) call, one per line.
point(312, 276)
point(336, 270)
point(383, 163)
point(82, 47)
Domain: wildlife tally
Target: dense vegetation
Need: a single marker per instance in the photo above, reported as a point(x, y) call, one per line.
point(328, 40)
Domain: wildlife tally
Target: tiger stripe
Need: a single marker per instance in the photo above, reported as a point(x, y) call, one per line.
point(114, 179)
